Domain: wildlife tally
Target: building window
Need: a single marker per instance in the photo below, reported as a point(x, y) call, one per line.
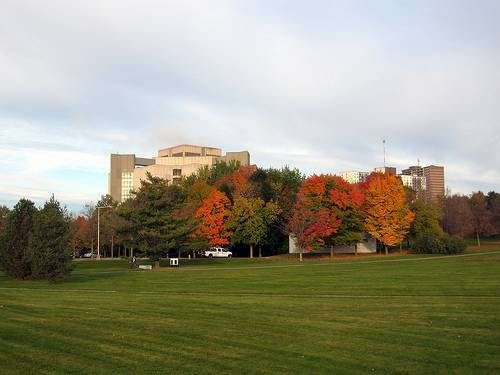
point(127, 185)
point(177, 172)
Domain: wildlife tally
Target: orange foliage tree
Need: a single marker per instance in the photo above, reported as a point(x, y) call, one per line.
point(387, 216)
point(213, 215)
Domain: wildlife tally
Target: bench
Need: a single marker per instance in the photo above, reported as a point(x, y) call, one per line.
point(145, 267)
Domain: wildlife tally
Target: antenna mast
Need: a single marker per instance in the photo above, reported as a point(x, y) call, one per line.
point(383, 143)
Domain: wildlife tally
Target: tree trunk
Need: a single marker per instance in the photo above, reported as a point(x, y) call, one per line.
point(260, 252)
point(157, 264)
point(300, 256)
point(386, 250)
point(112, 245)
point(331, 251)
point(355, 249)
point(478, 241)
point(251, 251)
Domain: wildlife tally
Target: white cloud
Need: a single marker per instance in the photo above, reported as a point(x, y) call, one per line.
point(316, 86)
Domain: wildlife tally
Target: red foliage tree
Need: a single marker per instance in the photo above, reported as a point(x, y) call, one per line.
point(213, 215)
point(326, 212)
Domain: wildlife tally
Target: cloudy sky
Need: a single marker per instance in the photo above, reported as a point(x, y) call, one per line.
point(315, 85)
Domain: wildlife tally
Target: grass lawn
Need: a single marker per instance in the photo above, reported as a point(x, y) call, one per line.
point(411, 314)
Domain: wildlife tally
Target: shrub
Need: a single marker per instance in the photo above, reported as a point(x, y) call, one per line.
point(454, 245)
point(437, 242)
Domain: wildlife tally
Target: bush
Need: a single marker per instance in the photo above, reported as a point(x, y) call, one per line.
point(454, 245)
point(436, 242)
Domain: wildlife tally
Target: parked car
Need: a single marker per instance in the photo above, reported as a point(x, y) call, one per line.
point(218, 252)
point(89, 255)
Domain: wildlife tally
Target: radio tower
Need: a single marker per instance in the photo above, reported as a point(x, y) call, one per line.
point(383, 144)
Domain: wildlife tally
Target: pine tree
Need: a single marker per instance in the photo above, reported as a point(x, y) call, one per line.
point(14, 257)
point(50, 243)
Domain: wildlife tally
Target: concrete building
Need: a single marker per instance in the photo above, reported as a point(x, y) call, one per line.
point(413, 177)
point(434, 183)
point(367, 246)
point(416, 183)
point(414, 170)
point(389, 170)
point(127, 171)
point(121, 175)
point(353, 177)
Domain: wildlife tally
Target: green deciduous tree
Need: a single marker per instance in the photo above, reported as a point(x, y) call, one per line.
point(250, 220)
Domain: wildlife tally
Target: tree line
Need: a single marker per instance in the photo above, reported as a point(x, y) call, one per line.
point(254, 211)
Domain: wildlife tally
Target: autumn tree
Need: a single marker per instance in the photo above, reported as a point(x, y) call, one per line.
point(483, 218)
point(211, 174)
point(387, 216)
point(493, 204)
point(80, 232)
point(213, 215)
point(327, 213)
point(457, 216)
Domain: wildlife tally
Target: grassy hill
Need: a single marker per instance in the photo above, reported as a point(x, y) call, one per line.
point(412, 314)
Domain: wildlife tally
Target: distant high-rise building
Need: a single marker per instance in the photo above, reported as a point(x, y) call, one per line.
point(434, 183)
point(127, 171)
point(353, 177)
point(415, 170)
point(389, 170)
point(416, 183)
point(413, 177)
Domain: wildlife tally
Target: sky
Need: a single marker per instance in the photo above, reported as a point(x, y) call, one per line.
point(315, 85)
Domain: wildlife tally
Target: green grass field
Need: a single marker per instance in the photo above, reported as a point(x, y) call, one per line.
point(411, 314)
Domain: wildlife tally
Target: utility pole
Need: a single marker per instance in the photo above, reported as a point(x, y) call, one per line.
point(383, 145)
point(98, 231)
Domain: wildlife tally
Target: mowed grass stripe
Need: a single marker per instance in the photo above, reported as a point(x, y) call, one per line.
point(282, 320)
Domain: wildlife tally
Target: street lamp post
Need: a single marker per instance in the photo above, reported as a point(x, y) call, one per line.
point(98, 231)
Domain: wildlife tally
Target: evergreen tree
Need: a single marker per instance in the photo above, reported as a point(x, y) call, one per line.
point(50, 247)
point(154, 218)
point(14, 257)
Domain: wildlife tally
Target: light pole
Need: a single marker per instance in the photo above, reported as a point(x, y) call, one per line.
point(98, 230)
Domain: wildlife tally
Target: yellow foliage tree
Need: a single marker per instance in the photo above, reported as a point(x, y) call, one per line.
point(387, 216)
